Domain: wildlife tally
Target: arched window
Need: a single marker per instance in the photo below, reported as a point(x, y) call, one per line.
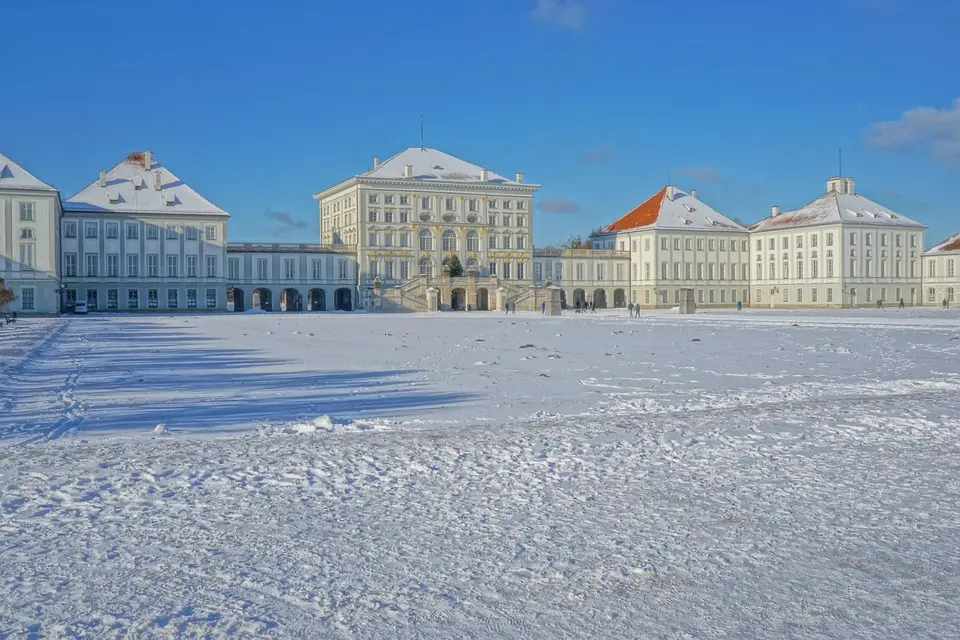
point(449, 240)
point(426, 240)
point(426, 267)
point(473, 241)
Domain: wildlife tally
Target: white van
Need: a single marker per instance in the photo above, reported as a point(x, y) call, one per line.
point(80, 306)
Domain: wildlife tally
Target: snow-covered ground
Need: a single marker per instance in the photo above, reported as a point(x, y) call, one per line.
point(764, 474)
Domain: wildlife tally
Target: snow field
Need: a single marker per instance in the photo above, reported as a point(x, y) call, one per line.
point(753, 475)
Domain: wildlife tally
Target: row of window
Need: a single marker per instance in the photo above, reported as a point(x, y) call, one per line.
point(853, 271)
point(932, 268)
point(426, 202)
point(711, 296)
point(403, 216)
point(932, 294)
point(685, 271)
point(449, 241)
point(133, 270)
point(687, 244)
point(289, 269)
point(111, 230)
point(153, 299)
point(813, 239)
point(800, 295)
point(400, 269)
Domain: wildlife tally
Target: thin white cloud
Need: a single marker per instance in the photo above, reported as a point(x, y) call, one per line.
point(702, 174)
point(558, 205)
point(602, 155)
point(560, 14)
point(928, 129)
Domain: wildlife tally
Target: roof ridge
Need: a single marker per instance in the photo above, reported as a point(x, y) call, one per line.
point(662, 193)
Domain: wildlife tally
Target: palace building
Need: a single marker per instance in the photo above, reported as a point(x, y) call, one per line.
point(426, 231)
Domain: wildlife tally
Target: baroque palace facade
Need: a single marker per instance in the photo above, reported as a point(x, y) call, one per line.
point(138, 238)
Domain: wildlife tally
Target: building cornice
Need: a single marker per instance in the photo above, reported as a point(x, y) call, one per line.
point(414, 186)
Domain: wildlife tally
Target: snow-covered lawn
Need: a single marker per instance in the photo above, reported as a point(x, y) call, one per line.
point(764, 474)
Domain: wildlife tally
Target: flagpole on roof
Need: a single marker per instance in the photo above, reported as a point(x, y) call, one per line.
point(421, 132)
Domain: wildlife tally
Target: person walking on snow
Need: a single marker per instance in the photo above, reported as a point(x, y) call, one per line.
point(739, 305)
point(630, 309)
point(543, 308)
point(901, 303)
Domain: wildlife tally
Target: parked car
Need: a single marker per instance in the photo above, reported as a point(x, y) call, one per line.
point(80, 307)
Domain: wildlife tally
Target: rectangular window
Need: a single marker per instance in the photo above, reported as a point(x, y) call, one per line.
point(404, 199)
point(70, 264)
point(388, 269)
point(153, 299)
point(813, 294)
point(723, 295)
point(868, 240)
point(172, 266)
point(372, 268)
point(112, 230)
point(372, 215)
point(27, 213)
point(342, 270)
point(426, 202)
point(289, 272)
point(404, 216)
point(786, 295)
point(799, 269)
point(799, 295)
point(133, 299)
point(211, 266)
point(799, 242)
point(599, 270)
point(210, 232)
point(233, 267)
point(759, 272)
point(113, 265)
point(28, 299)
point(90, 230)
point(372, 238)
point(558, 271)
point(758, 296)
point(723, 269)
point(664, 244)
point(829, 267)
point(450, 204)
point(710, 273)
point(520, 242)
point(211, 298)
point(133, 231)
point(92, 262)
point(853, 239)
point(883, 293)
point(813, 268)
point(153, 233)
point(932, 269)
point(388, 215)
point(27, 260)
point(759, 245)
point(663, 271)
point(646, 270)
point(913, 241)
point(520, 270)
point(491, 241)
point(70, 229)
point(171, 232)
point(711, 244)
point(173, 300)
point(113, 299)
point(92, 299)
point(506, 270)
point(404, 270)
point(687, 244)
point(191, 266)
point(813, 241)
point(869, 293)
point(315, 269)
point(773, 244)
point(261, 268)
point(646, 244)
point(153, 266)
point(191, 298)
point(931, 294)
point(676, 244)
point(829, 294)
point(951, 265)
point(723, 245)
point(404, 239)
point(676, 270)
point(829, 242)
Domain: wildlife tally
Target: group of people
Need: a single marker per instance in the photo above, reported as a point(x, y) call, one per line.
point(585, 307)
point(510, 307)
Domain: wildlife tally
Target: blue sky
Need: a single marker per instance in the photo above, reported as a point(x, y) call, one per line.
point(259, 105)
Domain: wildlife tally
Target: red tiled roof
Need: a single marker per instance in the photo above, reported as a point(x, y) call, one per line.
point(953, 246)
point(643, 216)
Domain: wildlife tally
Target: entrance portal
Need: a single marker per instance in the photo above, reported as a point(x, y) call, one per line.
point(290, 300)
point(458, 300)
point(317, 300)
point(599, 299)
point(235, 299)
point(342, 300)
point(483, 300)
point(261, 299)
point(619, 299)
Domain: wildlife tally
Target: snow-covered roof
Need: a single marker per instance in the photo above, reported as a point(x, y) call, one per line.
point(836, 207)
point(14, 176)
point(949, 246)
point(671, 208)
point(134, 187)
point(433, 165)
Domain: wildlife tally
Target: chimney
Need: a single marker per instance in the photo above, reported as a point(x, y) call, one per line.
point(774, 210)
point(408, 171)
point(157, 180)
point(670, 192)
point(376, 161)
point(484, 175)
point(693, 193)
point(849, 182)
point(147, 159)
point(519, 177)
point(103, 178)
